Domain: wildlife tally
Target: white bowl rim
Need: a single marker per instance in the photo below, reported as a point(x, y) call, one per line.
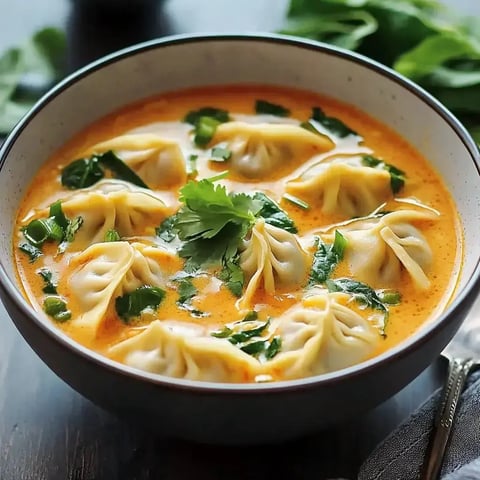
point(413, 342)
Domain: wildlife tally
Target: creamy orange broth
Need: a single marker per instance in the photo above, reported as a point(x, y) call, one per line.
point(423, 183)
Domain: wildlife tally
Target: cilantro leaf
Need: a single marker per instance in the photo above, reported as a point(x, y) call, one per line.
point(233, 276)
point(397, 176)
point(326, 258)
point(32, 251)
point(49, 285)
point(273, 214)
point(212, 222)
point(251, 336)
point(166, 229)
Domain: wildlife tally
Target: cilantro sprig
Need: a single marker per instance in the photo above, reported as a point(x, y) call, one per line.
point(212, 222)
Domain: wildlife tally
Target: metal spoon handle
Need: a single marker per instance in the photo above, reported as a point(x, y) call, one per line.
point(458, 371)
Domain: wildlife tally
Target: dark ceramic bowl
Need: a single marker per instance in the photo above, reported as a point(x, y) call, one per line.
point(233, 413)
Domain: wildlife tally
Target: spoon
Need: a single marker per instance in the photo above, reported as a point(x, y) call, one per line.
point(463, 354)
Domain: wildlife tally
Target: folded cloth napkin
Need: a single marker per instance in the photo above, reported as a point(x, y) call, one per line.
point(401, 455)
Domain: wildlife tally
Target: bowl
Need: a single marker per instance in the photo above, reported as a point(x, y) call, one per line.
point(238, 413)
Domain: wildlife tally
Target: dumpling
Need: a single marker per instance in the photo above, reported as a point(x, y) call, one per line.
point(263, 150)
point(159, 162)
point(131, 211)
point(185, 350)
point(105, 271)
point(379, 248)
point(320, 335)
point(343, 188)
point(271, 257)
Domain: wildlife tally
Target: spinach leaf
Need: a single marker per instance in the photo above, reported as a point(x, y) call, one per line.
point(361, 292)
point(273, 214)
point(397, 176)
point(82, 173)
point(435, 47)
point(47, 276)
point(28, 71)
point(85, 172)
point(264, 107)
point(326, 258)
point(120, 169)
point(366, 296)
point(132, 304)
point(331, 124)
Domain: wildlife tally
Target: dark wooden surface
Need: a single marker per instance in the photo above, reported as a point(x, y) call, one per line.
point(48, 431)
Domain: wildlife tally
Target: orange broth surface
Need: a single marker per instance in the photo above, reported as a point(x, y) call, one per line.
point(423, 183)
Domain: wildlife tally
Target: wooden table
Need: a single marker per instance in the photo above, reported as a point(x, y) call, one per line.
point(47, 430)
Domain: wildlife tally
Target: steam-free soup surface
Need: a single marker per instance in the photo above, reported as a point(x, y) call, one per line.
point(274, 235)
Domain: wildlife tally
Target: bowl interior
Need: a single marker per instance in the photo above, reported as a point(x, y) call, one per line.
point(179, 63)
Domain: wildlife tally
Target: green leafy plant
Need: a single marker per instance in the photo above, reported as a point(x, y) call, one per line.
point(419, 38)
point(27, 71)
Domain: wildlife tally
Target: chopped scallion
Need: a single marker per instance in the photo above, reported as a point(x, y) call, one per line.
point(296, 201)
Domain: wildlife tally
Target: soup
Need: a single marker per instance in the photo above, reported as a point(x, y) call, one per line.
point(238, 234)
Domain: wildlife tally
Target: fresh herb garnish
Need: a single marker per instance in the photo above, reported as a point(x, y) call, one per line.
point(56, 308)
point(49, 285)
point(273, 214)
point(194, 116)
point(132, 304)
point(69, 233)
point(397, 176)
point(32, 251)
point(212, 222)
point(298, 202)
point(166, 229)
point(112, 236)
point(232, 275)
point(205, 122)
point(220, 154)
point(186, 291)
point(120, 169)
point(390, 297)
point(333, 125)
point(264, 107)
point(326, 258)
point(84, 172)
point(363, 295)
point(42, 230)
point(192, 171)
point(248, 336)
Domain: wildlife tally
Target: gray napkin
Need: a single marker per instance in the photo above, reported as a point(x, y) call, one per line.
point(401, 455)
